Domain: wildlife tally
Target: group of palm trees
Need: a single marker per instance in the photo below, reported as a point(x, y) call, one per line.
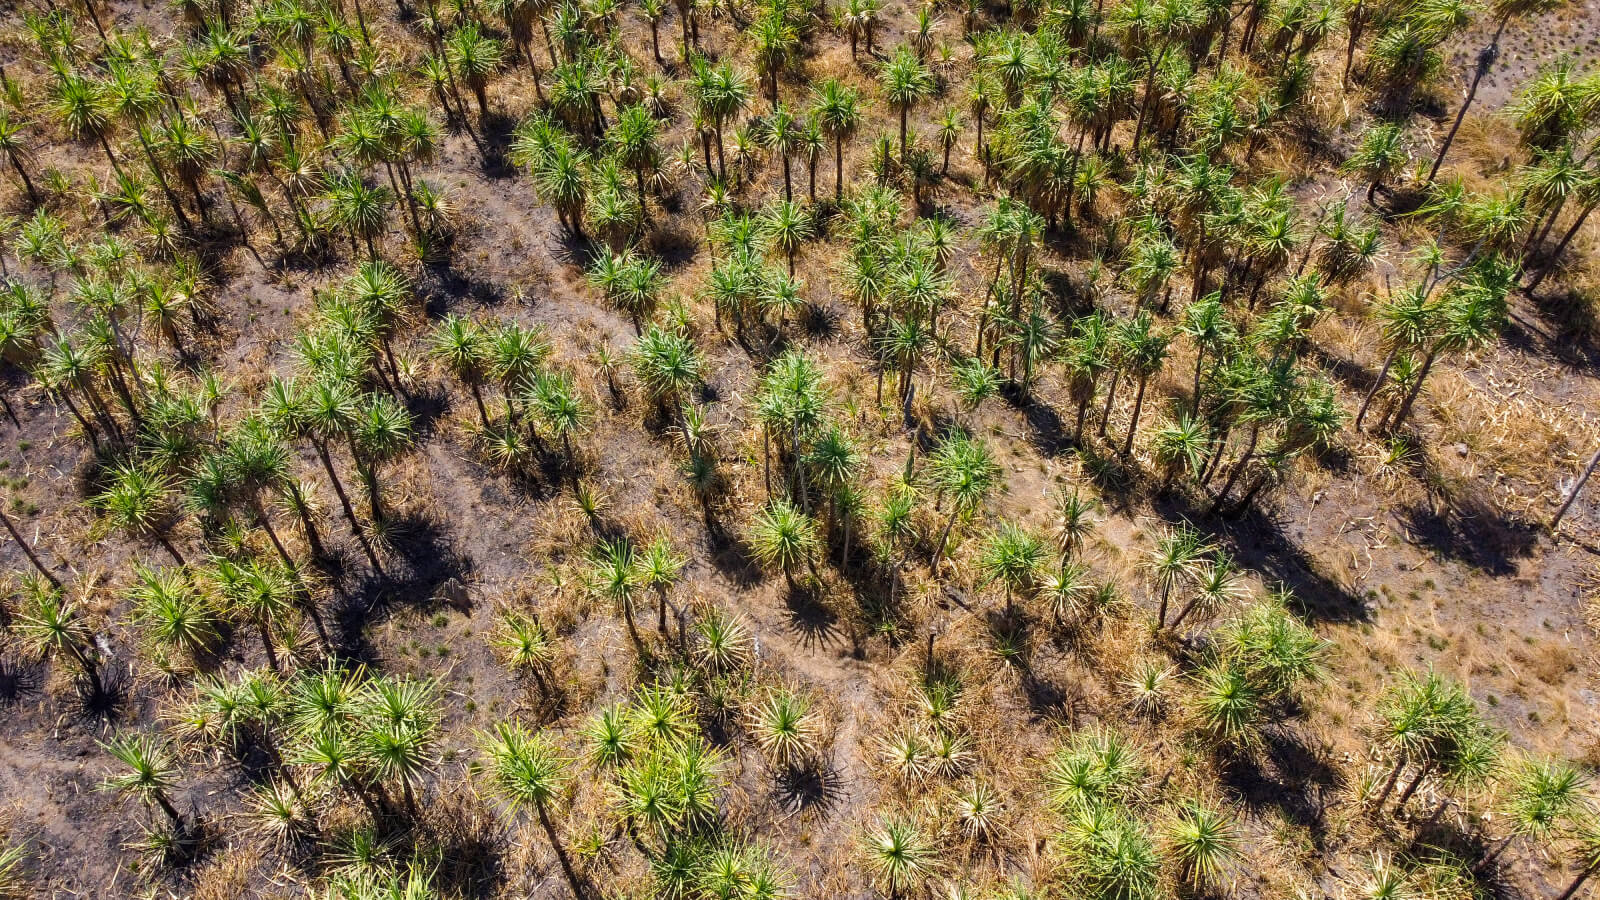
point(1130, 135)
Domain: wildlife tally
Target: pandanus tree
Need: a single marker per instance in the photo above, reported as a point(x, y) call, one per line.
point(1540, 797)
point(1206, 325)
point(460, 345)
point(150, 776)
point(51, 625)
point(615, 576)
point(554, 398)
point(859, 19)
point(1557, 106)
point(381, 432)
point(141, 502)
point(1085, 357)
point(1407, 319)
point(1471, 316)
point(1179, 448)
point(81, 107)
point(835, 461)
point(962, 470)
point(323, 412)
point(1204, 842)
point(634, 138)
point(1380, 155)
point(787, 226)
point(475, 57)
point(906, 82)
point(659, 569)
point(14, 148)
point(527, 771)
point(1587, 195)
point(838, 110)
point(1150, 30)
point(174, 611)
point(1143, 354)
point(776, 39)
point(189, 151)
point(783, 536)
point(360, 209)
point(669, 366)
point(133, 94)
point(395, 732)
point(781, 135)
point(720, 93)
point(899, 856)
point(791, 406)
point(1177, 562)
point(1013, 557)
point(264, 595)
point(1429, 725)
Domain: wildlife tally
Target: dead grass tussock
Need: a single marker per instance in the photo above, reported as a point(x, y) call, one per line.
point(1510, 434)
point(1480, 152)
point(228, 876)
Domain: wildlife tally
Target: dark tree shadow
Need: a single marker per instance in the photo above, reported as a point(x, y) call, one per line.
point(819, 323)
point(111, 701)
point(18, 681)
point(674, 245)
point(469, 843)
point(443, 285)
point(1573, 321)
point(422, 558)
point(1470, 530)
point(1287, 775)
point(427, 405)
point(495, 133)
point(1045, 428)
point(1259, 541)
point(734, 561)
point(811, 789)
point(816, 625)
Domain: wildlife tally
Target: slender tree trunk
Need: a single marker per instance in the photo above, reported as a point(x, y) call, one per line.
point(166, 544)
point(944, 538)
point(171, 811)
point(1405, 795)
point(1111, 396)
point(1555, 256)
point(88, 430)
point(905, 112)
point(266, 525)
point(1572, 889)
point(1555, 522)
point(1133, 426)
point(1389, 783)
point(33, 558)
point(561, 852)
point(1238, 468)
point(1404, 410)
point(307, 525)
point(1486, 59)
point(91, 669)
point(1377, 385)
point(1149, 90)
point(265, 631)
point(344, 502)
point(838, 168)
